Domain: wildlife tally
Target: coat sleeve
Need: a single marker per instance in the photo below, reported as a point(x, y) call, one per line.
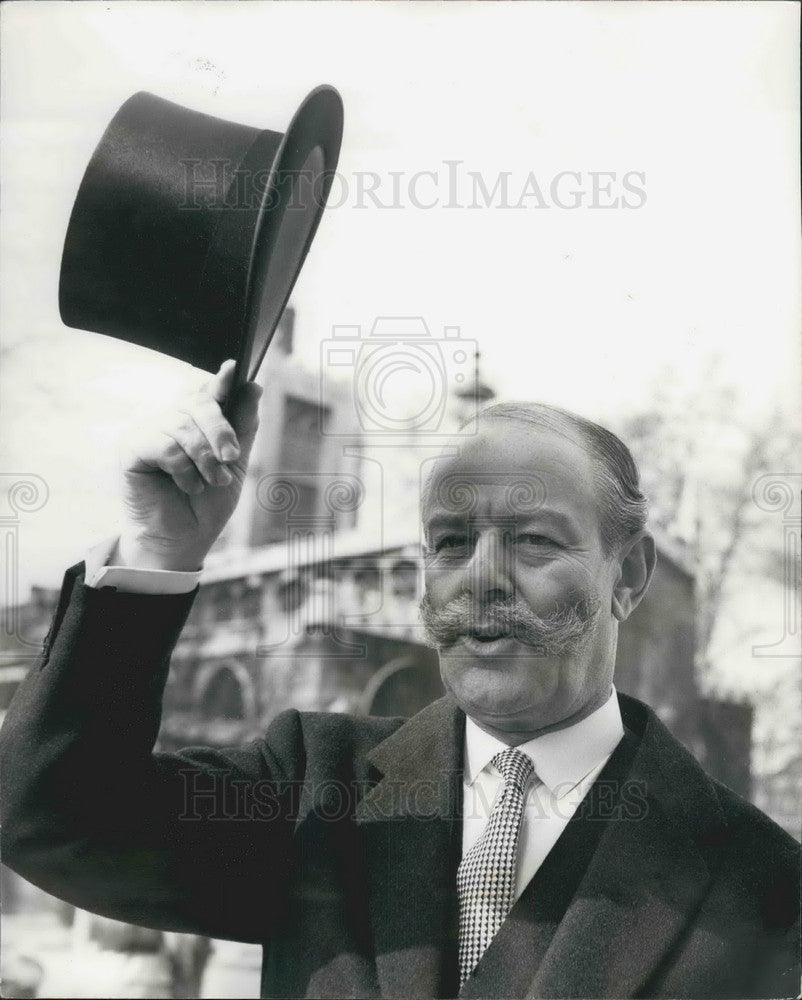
point(199, 841)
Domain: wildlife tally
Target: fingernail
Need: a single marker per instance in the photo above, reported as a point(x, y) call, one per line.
point(229, 452)
point(223, 477)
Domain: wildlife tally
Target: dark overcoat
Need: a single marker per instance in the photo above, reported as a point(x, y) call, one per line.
point(333, 840)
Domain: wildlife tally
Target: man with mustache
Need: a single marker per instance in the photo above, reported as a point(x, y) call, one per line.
point(531, 834)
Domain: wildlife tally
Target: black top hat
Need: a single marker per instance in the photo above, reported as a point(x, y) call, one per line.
point(188, 231)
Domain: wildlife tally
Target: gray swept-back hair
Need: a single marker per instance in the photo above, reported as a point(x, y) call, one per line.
point(623, 507)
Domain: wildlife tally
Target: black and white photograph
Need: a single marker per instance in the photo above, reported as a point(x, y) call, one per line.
point(400, 499)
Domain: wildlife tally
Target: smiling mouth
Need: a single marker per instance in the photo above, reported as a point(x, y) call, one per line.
point(486, 643)
point(486, 635)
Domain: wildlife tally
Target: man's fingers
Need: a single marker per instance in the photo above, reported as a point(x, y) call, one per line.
point(179, 465)
point(198, 445)
point(161, 452)
point(182, 452)
point(206, 415)
point(244, 417)
point(192, 440)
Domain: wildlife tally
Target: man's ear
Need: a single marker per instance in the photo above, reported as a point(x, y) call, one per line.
point(636, 562)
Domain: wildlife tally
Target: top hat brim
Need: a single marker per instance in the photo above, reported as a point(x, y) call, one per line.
point(289, 213)
point(201, 279)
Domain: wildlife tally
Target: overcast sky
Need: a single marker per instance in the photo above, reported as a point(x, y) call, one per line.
point(690, 110)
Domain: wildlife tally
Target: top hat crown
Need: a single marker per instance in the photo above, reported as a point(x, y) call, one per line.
point(188, 231)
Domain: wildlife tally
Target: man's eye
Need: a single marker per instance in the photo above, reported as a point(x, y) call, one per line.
point(450, 542)
point(538, 541)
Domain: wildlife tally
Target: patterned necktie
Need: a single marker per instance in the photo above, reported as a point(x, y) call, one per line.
point(486, 875)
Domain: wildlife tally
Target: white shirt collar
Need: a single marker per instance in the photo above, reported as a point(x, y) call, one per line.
point(561, 758)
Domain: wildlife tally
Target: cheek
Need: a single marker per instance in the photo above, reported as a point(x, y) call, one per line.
point(541, 584)
point(442, 583)
point(564, 581)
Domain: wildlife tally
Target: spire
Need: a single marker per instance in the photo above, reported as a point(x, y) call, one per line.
point(477, 390)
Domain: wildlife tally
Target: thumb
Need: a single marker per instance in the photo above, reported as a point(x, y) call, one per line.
point(244, 416)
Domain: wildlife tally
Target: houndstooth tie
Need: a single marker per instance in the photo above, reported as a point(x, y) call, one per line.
point(486, 875)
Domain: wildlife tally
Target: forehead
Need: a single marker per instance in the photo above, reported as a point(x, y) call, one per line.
point(510, 468)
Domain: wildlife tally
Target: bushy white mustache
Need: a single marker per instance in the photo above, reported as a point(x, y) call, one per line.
point(558, 634)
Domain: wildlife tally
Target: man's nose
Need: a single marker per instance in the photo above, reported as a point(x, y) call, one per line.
point(488, 572)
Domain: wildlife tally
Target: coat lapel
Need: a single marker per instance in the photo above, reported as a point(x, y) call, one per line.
point(411, 826)
point(647, 877)
point(645, 881)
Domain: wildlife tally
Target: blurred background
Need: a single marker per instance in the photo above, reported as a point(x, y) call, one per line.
point(594, 205)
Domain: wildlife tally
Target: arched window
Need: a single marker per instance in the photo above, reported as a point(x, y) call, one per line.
point(403, 686)
point(367, 579)
point(404, 576)
point(223, 698)
point(223, 602)
point(291, 594)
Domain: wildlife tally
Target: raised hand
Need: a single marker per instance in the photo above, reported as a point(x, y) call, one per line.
point(183, 476)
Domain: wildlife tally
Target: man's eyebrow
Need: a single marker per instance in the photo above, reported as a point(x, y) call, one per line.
point(556, 517)
point(446, 519)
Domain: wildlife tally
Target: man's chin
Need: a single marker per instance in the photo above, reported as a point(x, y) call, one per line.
point(503, 693)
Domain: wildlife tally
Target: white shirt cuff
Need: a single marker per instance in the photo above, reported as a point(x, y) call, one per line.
point(131, 580)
